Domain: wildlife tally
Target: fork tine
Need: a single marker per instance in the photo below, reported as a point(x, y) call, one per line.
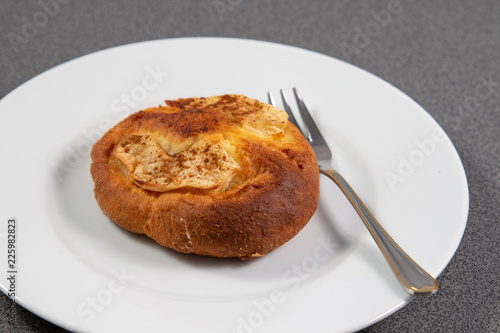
point(313, 134)
point(287, 108)
point(271, 99)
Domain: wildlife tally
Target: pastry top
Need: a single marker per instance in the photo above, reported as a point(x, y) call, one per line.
point(227, 150)
point(193, 143)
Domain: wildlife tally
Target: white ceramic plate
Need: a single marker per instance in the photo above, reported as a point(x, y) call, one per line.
point(80, 271)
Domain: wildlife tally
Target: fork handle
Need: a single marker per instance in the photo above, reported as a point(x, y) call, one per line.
point(413, 277)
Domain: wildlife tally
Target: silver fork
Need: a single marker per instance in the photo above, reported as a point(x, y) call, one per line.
point(413, 277)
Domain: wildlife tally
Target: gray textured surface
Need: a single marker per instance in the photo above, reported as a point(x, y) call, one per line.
point(436, 52)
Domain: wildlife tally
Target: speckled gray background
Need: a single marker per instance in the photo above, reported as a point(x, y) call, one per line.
point(437, 52)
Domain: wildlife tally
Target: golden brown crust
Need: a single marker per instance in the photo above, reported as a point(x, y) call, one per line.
point(264, 194)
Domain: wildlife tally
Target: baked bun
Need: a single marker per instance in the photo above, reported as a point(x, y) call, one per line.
point(223, 176)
